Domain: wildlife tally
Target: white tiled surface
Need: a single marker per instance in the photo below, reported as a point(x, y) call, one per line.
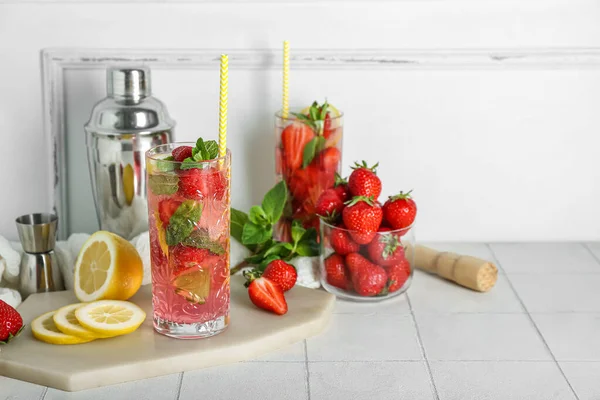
point(536, 335)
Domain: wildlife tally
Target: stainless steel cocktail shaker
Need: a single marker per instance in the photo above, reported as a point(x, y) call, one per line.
point(122, 127)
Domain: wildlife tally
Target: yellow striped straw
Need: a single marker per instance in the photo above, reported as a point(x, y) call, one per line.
point(224, 83)
point(285, 109)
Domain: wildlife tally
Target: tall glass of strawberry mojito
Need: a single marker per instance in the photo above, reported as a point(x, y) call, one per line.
point(189, 217)
point(308, 157)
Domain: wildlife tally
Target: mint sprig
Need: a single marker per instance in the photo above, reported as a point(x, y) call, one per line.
point(255, 231)
point(203, 151)
point(316, 116)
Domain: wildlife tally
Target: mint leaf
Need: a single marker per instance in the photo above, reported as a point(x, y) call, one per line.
point(165, 165)
point(297, 231)
point(238, 220)
point(183, 221)
point(263, 264)
point(311, 149)
point(314, 112)
point(201, 153)
point(257, 215)
point(189, 163)
point(323, 113)
point(212, 149)
point(274, 202)
point(255, 234)
point(163, 184)
point(279, 249)
point(308, 249)
point(201, 240)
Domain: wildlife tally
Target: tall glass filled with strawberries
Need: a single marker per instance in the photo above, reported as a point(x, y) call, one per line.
point(308, 156)
point(367, 248)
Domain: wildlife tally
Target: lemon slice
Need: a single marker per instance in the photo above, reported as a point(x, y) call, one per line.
point(110, 317)
point(66, 322)
point(107, 267)
point(44, 329)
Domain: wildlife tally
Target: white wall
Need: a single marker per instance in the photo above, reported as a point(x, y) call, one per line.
point(495, 148)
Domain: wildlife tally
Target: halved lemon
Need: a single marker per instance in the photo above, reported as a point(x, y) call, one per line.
point(110, 317)
point(66, 322)
point(107, 267)
point(44, 329)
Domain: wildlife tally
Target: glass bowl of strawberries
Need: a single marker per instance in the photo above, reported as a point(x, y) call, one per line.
point(373, 271)
point(367, 248)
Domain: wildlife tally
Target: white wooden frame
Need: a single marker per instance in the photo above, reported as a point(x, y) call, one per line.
point(56, 61)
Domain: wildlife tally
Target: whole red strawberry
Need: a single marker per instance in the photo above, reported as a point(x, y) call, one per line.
point(385, 249)
point(341, 188)
point(11, 322)
point(293, 140)
point(181, 153)
point(397, 275)
point(329, 205)
point(267, 295)
point(341, 242)
point(166, 208)
point(400, 211)
point(362, 216)
point(335, 272)
point(199, 183)
point(368, 279)
point(364, 182)
point(281, 273)
point(329, 159)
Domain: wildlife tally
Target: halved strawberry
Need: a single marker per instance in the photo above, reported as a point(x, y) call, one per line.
point(293, 140)
point(166, 209)
point(196, 183)
point(329, 159)
point(267, 295)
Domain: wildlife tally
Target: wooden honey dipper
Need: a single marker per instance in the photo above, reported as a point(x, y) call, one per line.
point(472, 272)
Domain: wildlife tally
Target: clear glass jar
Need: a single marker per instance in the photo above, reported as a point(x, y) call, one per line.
point(307, 157)
point(379, 270)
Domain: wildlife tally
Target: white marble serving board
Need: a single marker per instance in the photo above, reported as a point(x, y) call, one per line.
point(145, 354)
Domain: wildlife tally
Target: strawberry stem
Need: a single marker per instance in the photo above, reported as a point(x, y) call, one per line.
point(401, 196)
point(357, 199)
point(339, 180)
point(365, 166)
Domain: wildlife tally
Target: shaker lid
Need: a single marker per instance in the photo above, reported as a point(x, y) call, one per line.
point(130, 83)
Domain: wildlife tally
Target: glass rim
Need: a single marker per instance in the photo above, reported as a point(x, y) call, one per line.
point(153, 155)
point(391, 231)
point(291, 117)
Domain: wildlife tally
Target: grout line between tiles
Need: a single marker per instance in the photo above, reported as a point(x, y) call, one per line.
point(179, 384)
point(307, 370)
point(534, 324)
point(43, 395)
point(423, 353)
point(587, 247)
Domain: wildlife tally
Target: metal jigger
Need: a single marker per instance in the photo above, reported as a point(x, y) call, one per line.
point(39, 267)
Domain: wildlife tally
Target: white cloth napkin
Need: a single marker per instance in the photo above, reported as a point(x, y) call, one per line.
point(66, 255)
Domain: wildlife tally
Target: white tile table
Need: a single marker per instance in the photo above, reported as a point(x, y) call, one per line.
point(536, 335)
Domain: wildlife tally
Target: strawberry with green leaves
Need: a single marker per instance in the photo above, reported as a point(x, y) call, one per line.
point(11, 322)
point(362, 216)
point(329, 205)
point(363, 181)
point(341, 188)
point(385, 249)
point(400, 210)
point(368, 279)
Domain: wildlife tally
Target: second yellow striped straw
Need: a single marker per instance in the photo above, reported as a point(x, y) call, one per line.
point(285, 109)
point(224, 83)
